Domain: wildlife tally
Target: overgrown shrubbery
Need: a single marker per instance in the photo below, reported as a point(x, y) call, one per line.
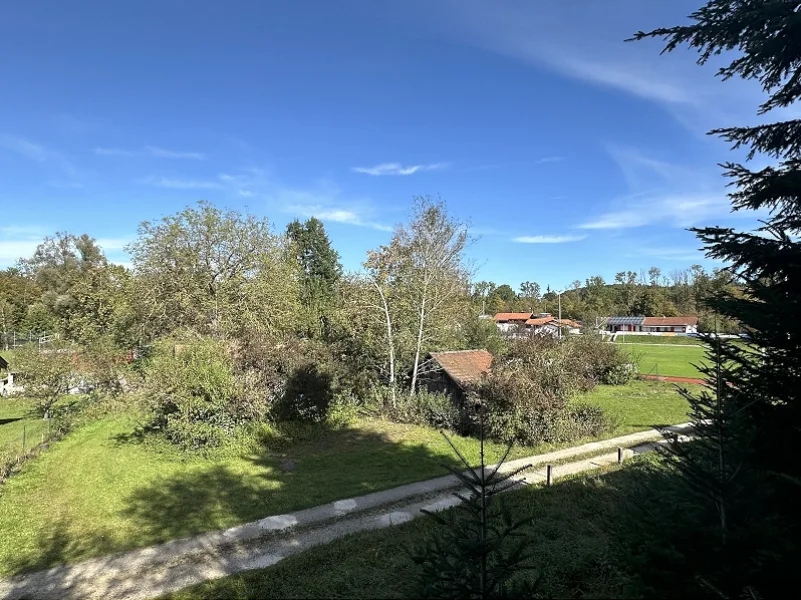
point(527, 395)
point(201, 390)
point(428, 408)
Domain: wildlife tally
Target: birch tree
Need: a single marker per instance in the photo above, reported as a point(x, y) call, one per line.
point(434, 271)
point(383, 269)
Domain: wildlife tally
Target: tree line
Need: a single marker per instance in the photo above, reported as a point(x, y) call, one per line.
point(681, 292)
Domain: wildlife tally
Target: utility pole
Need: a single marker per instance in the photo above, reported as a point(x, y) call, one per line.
point(559, 297)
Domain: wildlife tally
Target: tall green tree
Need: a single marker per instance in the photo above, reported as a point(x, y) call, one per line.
point(61, 266)
point(191, 267)
point(765, 35)
point(764, 41)
point(320, 267)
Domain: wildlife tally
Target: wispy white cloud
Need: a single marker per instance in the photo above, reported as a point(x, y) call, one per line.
point(185, 184)
point(548, 159)
point(100, 151)
point(589, 47)
point(24, 147)
point(163, 153)
point(394, 168)
point(112, 244)
point(683, 254)
point(18, 241)
point(548, 239)
point(673, 209)
point(12, 250)
point(662, 192)
point(37, 152)
point(336, 215)
point(150, 151)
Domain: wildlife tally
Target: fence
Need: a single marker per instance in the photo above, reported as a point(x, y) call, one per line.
point(16, 339)
point(22, 438)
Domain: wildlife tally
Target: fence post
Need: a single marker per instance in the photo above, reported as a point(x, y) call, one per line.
point(620, 456)
point(548, 475)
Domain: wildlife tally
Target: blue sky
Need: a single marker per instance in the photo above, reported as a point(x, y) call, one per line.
point(571, 152)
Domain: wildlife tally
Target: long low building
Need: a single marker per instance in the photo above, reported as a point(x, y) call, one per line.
point(652, 325)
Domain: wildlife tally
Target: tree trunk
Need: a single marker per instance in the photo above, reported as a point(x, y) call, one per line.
point(419, 339)
point(390, 343)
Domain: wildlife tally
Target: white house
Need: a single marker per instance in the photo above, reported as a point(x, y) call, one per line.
point(652, 325)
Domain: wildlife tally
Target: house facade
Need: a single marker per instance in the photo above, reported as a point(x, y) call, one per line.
point(652, 325)
point(511, 321)
point(544, 323)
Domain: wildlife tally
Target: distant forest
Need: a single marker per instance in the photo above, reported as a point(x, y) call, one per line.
point(653, 293)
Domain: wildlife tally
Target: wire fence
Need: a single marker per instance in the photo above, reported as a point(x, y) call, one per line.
point(9, 340)
point(22, 438)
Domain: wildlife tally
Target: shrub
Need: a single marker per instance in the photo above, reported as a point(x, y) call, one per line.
point(428, 408)
point(191, 388)
point(344, 410)
point(528, 392)
point(105, 363)
point(46, 374)
point(307, 396)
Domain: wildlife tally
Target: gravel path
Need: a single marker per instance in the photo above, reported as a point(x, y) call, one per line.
point(155, 571)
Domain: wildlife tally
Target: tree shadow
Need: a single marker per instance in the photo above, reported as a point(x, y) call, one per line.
point(11, 420)
point(332, 465)
point(329, 464)
point(627, 533)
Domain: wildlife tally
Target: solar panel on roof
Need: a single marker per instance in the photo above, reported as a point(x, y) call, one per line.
point(625, 320)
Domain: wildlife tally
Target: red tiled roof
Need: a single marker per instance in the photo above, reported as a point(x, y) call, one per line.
point(540, 321)
point(669, 321)
point(464, 366)
point(569, 323)
point(511, 316)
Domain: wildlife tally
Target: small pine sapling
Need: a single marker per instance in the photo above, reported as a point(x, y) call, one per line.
point(478, 549)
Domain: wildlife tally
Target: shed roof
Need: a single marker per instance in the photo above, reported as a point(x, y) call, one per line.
point(464, 366)
point(3, 363)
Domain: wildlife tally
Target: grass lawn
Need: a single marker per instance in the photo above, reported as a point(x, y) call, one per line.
point(656, 359)
point(641, 404)
point(16, 416)
point(669, 340)
point(572, 540)
point(100, 491)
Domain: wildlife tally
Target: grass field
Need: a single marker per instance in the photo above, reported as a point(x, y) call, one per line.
point(641, 404)
point(667, 340)
point(658, 359)
point(15, 417)
point(572, 538)
point(100, 490)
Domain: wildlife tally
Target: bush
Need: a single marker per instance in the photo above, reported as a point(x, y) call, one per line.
point(46, 374)
point(106, 366)
point(191, 391)
point(528, 392)
point(307, 397)
point(428, 408)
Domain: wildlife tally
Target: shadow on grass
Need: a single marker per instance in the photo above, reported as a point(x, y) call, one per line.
point(213, 495)
point(12, 420)
point(629, 533)
point(332, 466)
